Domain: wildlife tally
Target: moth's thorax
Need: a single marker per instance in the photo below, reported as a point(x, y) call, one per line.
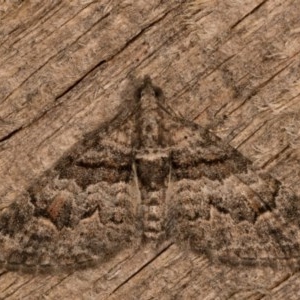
point(153, 169)
point(149, 119)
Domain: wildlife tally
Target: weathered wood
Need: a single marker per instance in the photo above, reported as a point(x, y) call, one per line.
point(231, 66)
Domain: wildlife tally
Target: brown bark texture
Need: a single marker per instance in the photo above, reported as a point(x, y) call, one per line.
point(231, 66)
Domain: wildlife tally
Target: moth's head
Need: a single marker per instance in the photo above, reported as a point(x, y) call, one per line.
point(149, 95)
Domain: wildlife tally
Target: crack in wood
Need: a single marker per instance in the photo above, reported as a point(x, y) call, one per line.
point(52, 4)
point(11, 134)
point(51, 57)
point(16, 290)
point(88, 72)
point(256, 8)
point(141, 268)
point(255, 90)
point(58, 283)
point(276, 156)
point(250, 135)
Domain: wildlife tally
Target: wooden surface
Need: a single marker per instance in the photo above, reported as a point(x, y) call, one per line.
point(231, 66)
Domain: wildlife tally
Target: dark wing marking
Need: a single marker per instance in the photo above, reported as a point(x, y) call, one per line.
point(224, 208)
point(81, 211)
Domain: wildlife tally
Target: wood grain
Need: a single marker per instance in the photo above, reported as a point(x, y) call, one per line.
point(231, 66)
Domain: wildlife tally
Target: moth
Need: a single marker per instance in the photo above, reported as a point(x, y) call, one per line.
point(146, 177)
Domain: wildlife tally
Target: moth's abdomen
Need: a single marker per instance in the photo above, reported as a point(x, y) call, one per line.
point(153, 171)
point(153, 207)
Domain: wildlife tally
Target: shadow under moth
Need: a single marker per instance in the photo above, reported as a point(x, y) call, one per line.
point(147, 177)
